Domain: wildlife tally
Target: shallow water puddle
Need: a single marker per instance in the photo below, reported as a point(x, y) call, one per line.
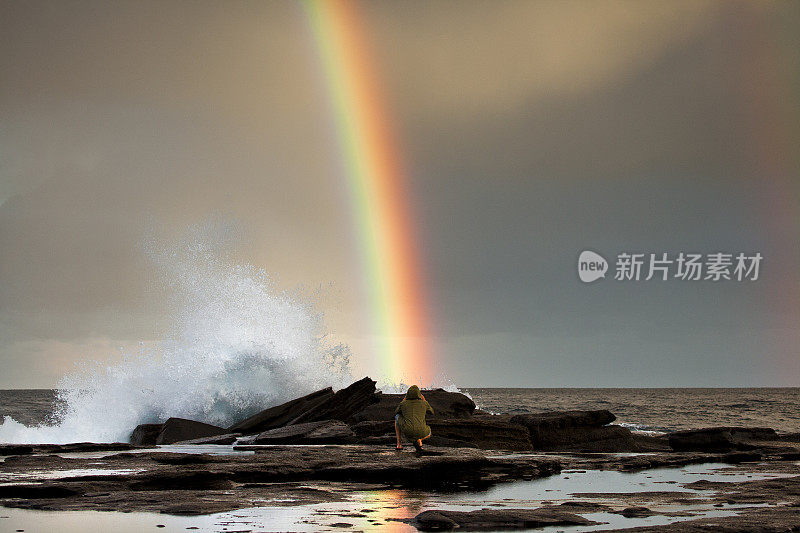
point(254, 520)
point(561, 487)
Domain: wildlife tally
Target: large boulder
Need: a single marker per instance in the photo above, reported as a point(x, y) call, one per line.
point(445, 405)
point(343, 404)
point(281, 415)
point(577, 431)
point(751, 434)
point(322, 432)
point(179, 429)
point(607, 439)
point(145, 434)
point(542, 422)
point(710, 439)
point(487, 432)
point(719, 439)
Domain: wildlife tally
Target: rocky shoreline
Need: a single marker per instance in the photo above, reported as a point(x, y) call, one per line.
point(322, 446)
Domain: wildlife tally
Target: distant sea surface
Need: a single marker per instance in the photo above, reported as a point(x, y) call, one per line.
point(650, 410)
point(658, 410)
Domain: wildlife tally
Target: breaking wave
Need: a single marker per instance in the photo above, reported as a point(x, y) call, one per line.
point(238, 345)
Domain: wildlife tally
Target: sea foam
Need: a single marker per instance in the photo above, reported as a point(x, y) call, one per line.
point(238, 344)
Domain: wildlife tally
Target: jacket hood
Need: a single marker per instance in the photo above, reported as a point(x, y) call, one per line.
point(413, 393)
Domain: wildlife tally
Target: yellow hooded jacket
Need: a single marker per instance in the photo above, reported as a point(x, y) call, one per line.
point(412, 411)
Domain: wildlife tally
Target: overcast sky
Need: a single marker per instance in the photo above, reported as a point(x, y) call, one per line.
point(531, 131)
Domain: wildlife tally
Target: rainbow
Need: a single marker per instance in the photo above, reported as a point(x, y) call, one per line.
point(378, 192)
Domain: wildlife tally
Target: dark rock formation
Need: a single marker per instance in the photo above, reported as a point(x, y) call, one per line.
point(39, 490)
point(590, 439)
point(179, 478)
point(487, 432)
point(742, 433)
point(343, 404)
point(495, 519)
point(373, 428)
point(179, 429)
point(283, 414)
point(456, 423)
point(718, 439)
point(545, 422)
point(324, 432)
point(584, 431)
point(652, 443)
point(635, 512)
point(736, 458)
point(435, 440)
point(445, 405)
point(493, 432)
point(145, 434)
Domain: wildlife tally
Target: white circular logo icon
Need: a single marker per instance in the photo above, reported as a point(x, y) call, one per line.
point(591, 266)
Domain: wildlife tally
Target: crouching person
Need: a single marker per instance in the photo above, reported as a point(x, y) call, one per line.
point(409, 418)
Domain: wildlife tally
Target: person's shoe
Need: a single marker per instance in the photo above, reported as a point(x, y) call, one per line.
point(418, 446)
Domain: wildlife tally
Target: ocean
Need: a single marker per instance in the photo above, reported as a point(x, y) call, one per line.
point(647, 410)
point(659, 410)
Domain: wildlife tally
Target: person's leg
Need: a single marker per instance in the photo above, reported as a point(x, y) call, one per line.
point(397, 432)
point(419, 441)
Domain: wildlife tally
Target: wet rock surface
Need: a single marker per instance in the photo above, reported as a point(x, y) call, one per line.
point(201, 483)
point(494, 519)
point(180, 429)
point(280, 475)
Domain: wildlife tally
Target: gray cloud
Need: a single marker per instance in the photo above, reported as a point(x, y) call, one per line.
point(531, 131)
